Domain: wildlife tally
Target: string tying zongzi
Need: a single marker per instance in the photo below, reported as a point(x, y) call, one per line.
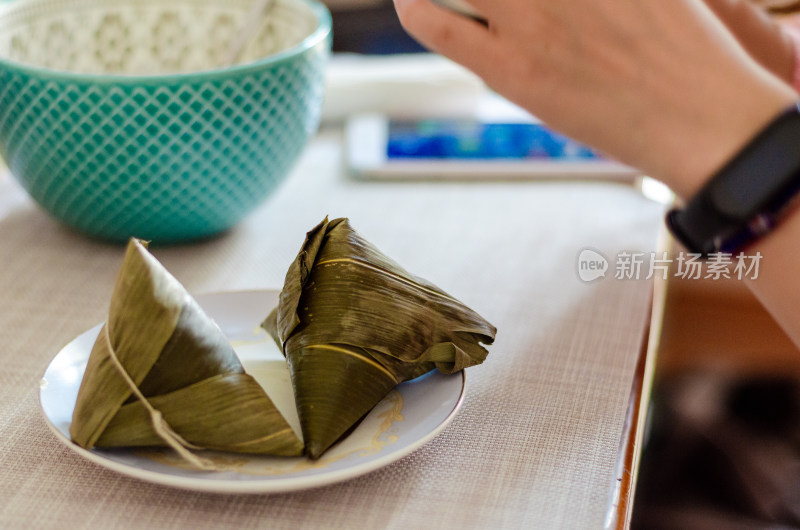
point(178, 358)
point(160, 425)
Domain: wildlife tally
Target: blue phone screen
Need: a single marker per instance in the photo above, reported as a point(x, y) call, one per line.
point(438, 139)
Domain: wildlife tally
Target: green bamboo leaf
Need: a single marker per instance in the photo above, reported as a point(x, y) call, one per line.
point(181, 363)
point(195, 411)
point(353, 324)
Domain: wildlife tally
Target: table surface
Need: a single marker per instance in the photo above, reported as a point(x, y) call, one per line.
point(536, 441)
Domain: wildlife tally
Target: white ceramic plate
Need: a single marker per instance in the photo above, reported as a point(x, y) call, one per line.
point(406, 419)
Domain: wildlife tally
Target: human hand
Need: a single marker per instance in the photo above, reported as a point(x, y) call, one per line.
point(662, 86)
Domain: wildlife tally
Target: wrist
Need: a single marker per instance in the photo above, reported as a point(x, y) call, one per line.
point(715, 141)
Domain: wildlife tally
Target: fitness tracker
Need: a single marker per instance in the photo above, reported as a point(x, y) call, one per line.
point(747, 197)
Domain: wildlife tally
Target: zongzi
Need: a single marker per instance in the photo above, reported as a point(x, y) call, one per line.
point(162, 373)
point(353, 324)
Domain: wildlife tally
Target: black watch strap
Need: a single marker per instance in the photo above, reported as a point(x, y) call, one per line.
point(744, 200)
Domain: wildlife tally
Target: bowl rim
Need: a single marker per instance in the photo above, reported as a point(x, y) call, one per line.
point(321, 32)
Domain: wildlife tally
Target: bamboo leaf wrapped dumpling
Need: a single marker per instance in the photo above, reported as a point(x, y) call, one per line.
point(161, 372)
point(353, 324)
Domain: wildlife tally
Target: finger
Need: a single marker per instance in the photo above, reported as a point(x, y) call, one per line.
point(759, 34)
point(462, 39)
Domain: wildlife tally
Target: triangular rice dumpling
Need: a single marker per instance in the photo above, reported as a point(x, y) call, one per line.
point(353, 324)
point(160, 354)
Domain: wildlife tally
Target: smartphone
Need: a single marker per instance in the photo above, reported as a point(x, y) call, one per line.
point(382, 148)
point(461, 7)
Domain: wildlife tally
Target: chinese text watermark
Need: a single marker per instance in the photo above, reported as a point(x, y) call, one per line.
point(593, 265)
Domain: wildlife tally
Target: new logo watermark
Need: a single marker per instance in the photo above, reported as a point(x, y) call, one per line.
point(592, 265)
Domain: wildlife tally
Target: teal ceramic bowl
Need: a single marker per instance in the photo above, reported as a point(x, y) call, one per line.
point(120, 118)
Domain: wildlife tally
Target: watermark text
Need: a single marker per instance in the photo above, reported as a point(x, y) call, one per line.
point(593, 265)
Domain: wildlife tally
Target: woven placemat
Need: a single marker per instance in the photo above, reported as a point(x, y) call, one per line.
point(535, 443)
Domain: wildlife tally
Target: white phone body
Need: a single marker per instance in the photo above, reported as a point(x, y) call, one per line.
point(368, 156)
point(459, 6)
